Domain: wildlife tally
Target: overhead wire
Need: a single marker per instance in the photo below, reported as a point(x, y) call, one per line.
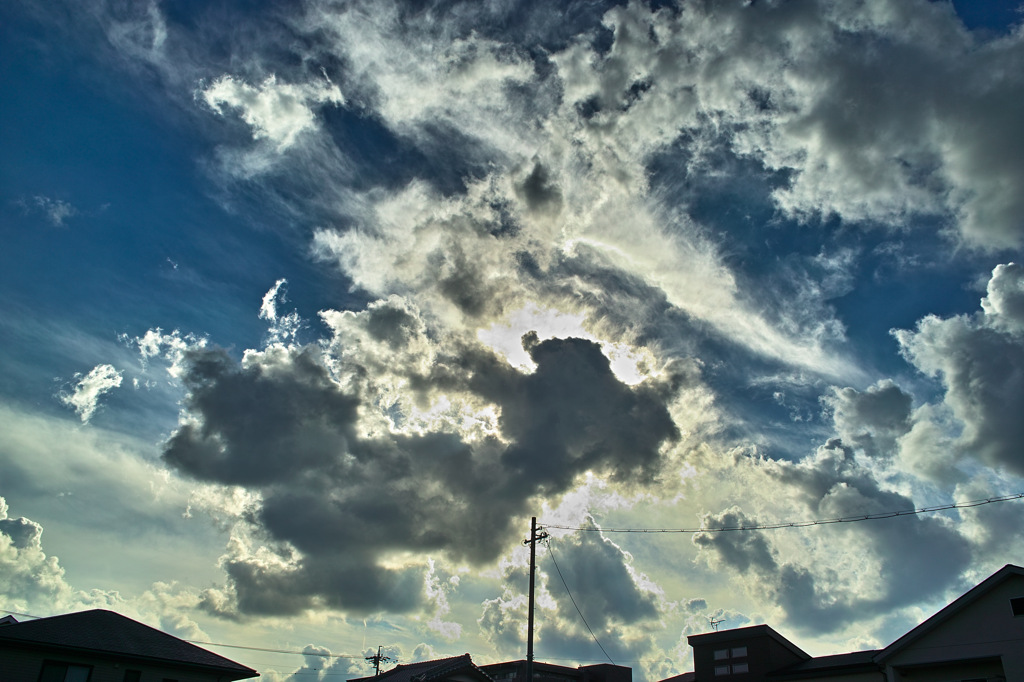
point(274, 651)
point(796, 524)
point(231, 646)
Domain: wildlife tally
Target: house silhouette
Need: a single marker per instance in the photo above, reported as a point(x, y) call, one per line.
point(103, 646)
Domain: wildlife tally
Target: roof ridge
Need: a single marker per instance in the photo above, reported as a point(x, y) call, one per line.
point(953, 607)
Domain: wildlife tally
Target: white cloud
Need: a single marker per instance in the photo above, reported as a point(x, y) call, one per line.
point(284, 328)
point(171, 348)
point(1004, 304)
point(57, 211)
point(86, 394)
point(920, 123)
point(980, 362)
point(27, 575)
point(278, 112)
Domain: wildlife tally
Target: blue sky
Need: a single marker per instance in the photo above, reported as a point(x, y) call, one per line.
point(309, 307)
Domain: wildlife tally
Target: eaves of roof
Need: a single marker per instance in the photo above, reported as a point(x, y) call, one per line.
point(950, 610)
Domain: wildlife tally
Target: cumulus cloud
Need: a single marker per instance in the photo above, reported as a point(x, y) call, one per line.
point(886, 565)
point(88, 390)
point(1004, 304)
point(872, 420)
point(980, 361)
point(28, 576)
point(587, 588)
point(792, 88)
point(587, 567)
point(341, 492)
point(31, 580)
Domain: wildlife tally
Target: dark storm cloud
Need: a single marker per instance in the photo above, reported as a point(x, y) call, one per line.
point(392, 324)
point(260, 424)
point(539, 191)
point(595, 572)
point(280, 424)
point(572, 415)
point(463, 282)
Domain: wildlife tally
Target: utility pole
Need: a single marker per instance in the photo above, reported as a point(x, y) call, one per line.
point(532, 542)
point(377, 660)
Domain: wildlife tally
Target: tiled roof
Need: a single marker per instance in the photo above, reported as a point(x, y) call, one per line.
point(103, 631)
point(426, 671)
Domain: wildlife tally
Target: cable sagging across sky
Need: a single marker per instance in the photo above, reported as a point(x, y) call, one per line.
point(800, 524)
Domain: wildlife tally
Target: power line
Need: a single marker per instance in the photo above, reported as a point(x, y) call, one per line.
point(274, 651)
point(800, 524)
point(15, 613)
point(559, 571)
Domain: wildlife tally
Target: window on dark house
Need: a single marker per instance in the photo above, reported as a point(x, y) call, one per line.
point(55, 671)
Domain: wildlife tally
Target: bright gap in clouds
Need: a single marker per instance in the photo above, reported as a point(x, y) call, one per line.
point(630, 365)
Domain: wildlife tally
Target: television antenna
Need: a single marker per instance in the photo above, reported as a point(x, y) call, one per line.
point(715, 623)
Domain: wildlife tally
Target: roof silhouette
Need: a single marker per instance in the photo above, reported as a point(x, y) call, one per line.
point(425, 671)
point(107, 632)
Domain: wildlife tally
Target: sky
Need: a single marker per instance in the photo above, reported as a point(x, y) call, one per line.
point(309, 306)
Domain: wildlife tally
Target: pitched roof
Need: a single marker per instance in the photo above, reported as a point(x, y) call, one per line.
point(684, 677)
point(426, 671)
point(750, 632)
point(106, 632)
point(951, 609)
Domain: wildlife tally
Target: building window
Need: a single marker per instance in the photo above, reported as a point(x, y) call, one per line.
point(721, 654)
point(1017, 606)
point(734, 669)
point(54, 671)
point(739, 652)
point(132, 675)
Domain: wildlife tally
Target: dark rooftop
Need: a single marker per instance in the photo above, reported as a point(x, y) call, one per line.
point(851, 662)
point(106, 632)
